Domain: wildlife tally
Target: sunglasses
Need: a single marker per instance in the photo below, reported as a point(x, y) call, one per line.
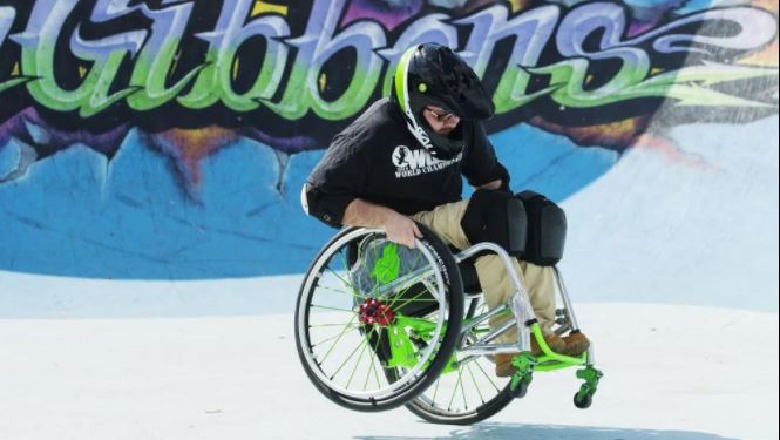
point(441, 115)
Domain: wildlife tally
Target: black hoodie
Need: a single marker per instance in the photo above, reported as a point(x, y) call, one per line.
point(377, 159)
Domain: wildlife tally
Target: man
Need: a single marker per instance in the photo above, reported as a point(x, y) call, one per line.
point(401, 161)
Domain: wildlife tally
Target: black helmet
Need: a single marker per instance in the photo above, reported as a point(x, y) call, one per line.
point(432, 74)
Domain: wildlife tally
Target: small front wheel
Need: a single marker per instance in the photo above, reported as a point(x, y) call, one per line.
point(583, 400)
point(591, 376)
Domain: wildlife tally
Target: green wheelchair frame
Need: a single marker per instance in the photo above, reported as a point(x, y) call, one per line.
point(416, 350)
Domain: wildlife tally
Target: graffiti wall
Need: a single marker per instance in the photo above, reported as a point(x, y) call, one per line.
point(170, 138)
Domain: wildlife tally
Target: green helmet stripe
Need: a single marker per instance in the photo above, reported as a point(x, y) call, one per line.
point(402, 91)
point(401, 86)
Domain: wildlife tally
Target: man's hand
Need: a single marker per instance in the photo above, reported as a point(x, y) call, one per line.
point(401, 229)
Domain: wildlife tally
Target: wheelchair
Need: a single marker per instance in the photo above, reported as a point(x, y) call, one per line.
point(379, 325)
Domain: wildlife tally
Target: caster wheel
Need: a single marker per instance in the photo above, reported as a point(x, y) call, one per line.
point(584, 401)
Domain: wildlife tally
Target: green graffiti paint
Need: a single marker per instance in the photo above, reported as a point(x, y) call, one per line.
point(295, 102)
point(13, 82)
point(89, 98)
point(99, 100)
point(150, 75)
point(214, 83)
point(351, 101)
point(687, 85)
point(205, 91)
point(511, 90)
point(289, 69)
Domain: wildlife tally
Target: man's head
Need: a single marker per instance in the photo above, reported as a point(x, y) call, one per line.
point(441, 120)
point(436, 89)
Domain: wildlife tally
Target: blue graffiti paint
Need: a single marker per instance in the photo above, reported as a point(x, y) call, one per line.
point(84, 216)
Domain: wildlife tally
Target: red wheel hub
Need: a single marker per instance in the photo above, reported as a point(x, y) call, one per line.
point(373, 311)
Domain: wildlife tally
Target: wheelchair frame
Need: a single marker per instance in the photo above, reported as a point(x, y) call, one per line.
point(521, 307)
point(403, 354)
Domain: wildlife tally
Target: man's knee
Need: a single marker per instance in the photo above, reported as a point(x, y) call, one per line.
point(547, 228)
point(528, 226)
point(496, 217)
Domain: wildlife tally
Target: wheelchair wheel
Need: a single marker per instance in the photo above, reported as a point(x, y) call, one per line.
point(351, 310)
point(468, 393)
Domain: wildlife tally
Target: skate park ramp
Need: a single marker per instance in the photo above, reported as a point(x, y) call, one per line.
point(696, 226)
point(152, 241)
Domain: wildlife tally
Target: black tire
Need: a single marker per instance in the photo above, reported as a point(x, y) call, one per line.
point(433, 411)
point(583, 402)
point(439, 416)
point(395, 394)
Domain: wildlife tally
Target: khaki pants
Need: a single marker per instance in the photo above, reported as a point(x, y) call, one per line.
point(497, 286)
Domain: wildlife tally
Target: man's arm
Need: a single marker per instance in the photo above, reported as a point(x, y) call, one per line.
point(338, 178)
point(399, 228)
point(480, 165)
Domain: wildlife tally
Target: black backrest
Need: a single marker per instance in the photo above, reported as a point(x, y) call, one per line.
point(468, 274)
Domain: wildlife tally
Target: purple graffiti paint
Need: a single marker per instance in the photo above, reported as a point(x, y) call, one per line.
point(29, 126)
point(389, 13)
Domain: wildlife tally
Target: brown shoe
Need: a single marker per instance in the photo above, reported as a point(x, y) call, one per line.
point(576, 344)
point(555, 342)
point(504, 367)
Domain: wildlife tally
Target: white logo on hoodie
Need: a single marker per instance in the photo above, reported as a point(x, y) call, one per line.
point(410, 163)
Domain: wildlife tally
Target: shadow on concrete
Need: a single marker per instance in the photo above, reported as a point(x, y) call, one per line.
point(503, 431)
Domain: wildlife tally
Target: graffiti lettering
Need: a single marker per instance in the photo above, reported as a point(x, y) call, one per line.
point(7, 15)
point(157, 57)
point(137, 66)
point(315, 47)
point(214, 83)
point(634, 80)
